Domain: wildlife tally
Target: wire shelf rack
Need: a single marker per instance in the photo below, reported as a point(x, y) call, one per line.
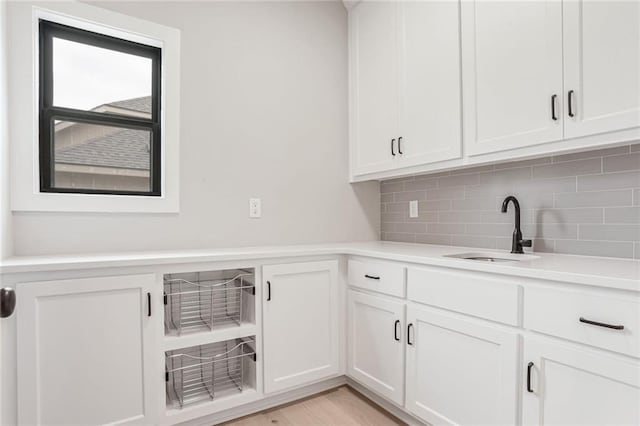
point(206, 302)
point(209, 372)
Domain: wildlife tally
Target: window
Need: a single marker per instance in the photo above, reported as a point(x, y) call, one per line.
point(99, 113)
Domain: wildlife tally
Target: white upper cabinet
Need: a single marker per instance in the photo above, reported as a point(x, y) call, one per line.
point(405, 84)
point(445, 84)
point(601, 66)
point(429, 82)
point(511, 74)
point(374, 86)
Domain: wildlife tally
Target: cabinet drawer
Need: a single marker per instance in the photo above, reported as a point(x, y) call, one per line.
point(472, 293)
point(387, 278)
point(557, 312)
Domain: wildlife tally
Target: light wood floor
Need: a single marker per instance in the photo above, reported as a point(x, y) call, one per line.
point(336, 407)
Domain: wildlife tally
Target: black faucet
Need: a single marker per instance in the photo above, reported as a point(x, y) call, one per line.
point(518, 242)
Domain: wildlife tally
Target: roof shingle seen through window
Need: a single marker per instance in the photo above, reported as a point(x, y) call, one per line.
point(122, 149)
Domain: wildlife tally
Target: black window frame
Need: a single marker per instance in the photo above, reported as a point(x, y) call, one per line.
point(48, 113)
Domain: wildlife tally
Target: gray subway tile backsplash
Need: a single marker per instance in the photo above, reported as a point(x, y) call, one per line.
point(610, 232)
point(594, 248)
point(622, 197)
point(620, 180)
point(629, 215)
point(620, 163)
point(605, 152)
point(585, 203)
point(588, 166)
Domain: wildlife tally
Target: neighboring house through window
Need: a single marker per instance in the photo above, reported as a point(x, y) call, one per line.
point(102, 157)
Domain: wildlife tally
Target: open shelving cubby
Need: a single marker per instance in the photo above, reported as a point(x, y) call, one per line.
point(210, 372)
point(207, 301)
point(210, 337)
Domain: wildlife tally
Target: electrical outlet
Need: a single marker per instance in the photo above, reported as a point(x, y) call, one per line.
point(255, 207)
point(413, 208)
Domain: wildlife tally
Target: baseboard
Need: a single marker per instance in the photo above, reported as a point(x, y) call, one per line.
point(268, 402)
point(389, 407)
point(300, 393)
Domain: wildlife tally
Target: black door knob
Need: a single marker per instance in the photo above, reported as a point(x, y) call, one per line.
point(7, 302)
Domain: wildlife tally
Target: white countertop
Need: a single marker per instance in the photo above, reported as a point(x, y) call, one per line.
point(596, 271)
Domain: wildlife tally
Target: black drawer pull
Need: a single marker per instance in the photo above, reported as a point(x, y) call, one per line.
point(602, 324)
point(393, 152)
point(395, 330)
point(399, 145)
point(372, 277)
point(148, 304)
point(268, 290)
point(409, 327)
point(529, 367)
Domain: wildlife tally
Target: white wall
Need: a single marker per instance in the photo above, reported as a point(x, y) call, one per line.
point(6, 241)
point(263, 114)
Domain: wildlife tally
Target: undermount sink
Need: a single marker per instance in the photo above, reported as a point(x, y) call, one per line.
point(492, 257)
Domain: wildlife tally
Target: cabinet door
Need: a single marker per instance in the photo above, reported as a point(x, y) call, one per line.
point(376, 344)
point(430, 123)
point(601, 66)
point(460, 371)
point(374, 86)
point(511, 70)
point(86, 350)
point(300, 323)
point(571, 385)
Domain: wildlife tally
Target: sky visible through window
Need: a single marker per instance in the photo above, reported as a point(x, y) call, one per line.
point(85, 77)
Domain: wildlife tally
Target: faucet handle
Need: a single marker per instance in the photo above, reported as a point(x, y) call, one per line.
point(525, 243)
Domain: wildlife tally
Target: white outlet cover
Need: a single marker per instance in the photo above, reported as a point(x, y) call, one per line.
point(413, 208)
point(255, 207)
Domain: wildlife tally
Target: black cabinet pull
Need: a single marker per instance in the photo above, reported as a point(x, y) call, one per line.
point(372, 277)
point(395, 330)
point(602, 324)
point(529, 367)
point(570, 103)
point(409, 327)
point(399, 145)
point(148, 304)
point(393, 152)
point(268, 290)
point(553, 107)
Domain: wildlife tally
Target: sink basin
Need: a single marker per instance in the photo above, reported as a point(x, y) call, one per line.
point(492, 257)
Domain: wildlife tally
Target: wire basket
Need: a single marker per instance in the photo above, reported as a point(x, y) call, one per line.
point(205, 301)
point(209, 372)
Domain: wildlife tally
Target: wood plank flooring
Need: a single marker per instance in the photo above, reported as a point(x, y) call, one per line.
point(337, 407)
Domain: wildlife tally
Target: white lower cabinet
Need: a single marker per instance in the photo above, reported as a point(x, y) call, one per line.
point(376, 348)
point(89, 350)
point(565, 384)
point(301, 326)
point(460, 371)
point(86, 350)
